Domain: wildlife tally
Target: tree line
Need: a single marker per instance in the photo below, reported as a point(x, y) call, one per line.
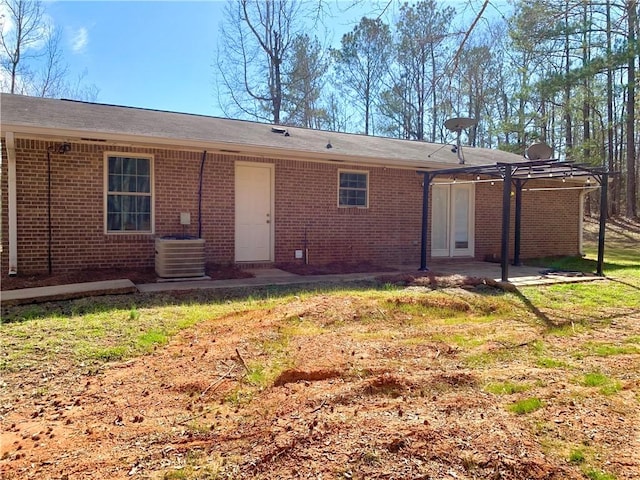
point(556, 71)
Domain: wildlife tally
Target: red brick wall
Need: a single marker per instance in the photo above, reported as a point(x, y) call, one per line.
point(77, 207)
point(549, 222)
point(386, 232)
point(305, 198)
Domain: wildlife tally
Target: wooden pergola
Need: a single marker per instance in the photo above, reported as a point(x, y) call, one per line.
point(517, 175)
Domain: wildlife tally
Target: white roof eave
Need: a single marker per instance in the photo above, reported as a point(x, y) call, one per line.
point(217, 147)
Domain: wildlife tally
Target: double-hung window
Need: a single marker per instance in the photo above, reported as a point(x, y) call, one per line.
point(353, 189)
point(129, 198)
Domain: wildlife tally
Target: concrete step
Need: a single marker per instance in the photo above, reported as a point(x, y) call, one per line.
point(65, 292)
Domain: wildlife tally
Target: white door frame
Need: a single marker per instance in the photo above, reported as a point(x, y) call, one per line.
point(271, 207)
point(450, 217)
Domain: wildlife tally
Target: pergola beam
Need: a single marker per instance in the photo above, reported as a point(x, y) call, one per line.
point(519, 173)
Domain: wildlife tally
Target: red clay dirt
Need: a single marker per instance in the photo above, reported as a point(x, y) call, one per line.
point(349, 406)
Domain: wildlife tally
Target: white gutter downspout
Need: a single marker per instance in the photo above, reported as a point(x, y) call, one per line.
point(12, 204)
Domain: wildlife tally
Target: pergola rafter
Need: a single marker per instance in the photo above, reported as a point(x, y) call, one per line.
point(517, 175)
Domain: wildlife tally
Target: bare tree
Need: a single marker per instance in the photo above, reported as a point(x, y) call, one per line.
point(256, 38)
point(50, 80)
point(22, 34)
point(31, 56)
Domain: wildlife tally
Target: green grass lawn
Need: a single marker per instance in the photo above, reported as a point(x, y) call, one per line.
point(620, 291)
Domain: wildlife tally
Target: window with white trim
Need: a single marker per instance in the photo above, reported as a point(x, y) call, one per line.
point(129, 199)
point(353, 189)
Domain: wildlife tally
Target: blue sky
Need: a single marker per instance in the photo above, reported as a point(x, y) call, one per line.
point(151, 54)
point(143, 54)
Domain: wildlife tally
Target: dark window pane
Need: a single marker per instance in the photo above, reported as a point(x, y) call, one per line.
point(129, 166)
point(143, 167)
point(143, 185)
point(115, 183)
point(343, 180)
point(143, 205)
point(115, 165)
point(128, 203)
point(113, 204)
point(129, 221)
point(128, 184)
point(114, 221)
point(145, 222)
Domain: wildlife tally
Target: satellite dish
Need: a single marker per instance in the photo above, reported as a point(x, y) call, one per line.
point(457, 125)
point(539, 151)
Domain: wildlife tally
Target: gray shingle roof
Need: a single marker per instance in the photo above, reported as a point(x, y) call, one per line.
point(73, 119)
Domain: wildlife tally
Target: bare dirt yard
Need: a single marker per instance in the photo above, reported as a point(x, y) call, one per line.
point(371, 382)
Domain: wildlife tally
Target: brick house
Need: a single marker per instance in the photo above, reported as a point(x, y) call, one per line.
point(88, 185)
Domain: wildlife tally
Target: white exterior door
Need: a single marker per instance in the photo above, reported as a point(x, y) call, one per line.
point(452, 220)
point(254, 212)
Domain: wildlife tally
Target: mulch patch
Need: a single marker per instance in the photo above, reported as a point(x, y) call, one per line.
point(333, 268)
point(136, 275)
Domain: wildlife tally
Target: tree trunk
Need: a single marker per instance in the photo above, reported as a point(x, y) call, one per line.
point(631, 208)
point(613, 206)
point(567, 88)
point(586, 107)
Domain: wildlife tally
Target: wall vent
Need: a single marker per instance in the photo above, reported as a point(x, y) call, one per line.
point(179, 257)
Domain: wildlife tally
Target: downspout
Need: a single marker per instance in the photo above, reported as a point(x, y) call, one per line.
point(12, 204)
point(204, 156)
point(50, 234)
point(425, 221)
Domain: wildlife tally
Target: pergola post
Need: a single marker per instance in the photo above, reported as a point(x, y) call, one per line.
point(425, 221)
point(516, 243)
point(604, 187)
point(506, 216)
point(517, 175)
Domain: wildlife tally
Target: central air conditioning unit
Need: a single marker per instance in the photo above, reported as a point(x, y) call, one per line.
point(180, 257)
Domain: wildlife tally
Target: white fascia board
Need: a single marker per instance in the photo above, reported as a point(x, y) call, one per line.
point(219, 147)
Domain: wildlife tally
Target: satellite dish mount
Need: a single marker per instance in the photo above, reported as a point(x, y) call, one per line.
point(456, 125)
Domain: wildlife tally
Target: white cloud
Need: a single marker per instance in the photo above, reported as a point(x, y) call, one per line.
point(80, 40)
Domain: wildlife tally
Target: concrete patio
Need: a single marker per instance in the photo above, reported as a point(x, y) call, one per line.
point(518, 276)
